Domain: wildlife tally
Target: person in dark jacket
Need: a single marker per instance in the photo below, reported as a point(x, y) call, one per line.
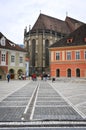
point(8, 77)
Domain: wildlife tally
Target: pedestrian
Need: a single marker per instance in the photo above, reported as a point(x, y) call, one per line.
point(8, 77)
point(53, 79)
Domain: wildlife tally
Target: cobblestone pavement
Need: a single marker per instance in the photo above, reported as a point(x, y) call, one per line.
point(44, 128)
point(29, 101)
point(74, 92)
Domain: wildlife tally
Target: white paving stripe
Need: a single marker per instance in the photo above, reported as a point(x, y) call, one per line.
point(82, 103)
point(76, 95)
point(31, 116)
point(75, 108)
point(27, 107)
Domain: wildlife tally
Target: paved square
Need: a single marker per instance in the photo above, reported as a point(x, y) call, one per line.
point(63, 100)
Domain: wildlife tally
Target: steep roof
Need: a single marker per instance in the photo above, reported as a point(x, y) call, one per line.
point(10, 45)
point(76, 38)
point(51, 23)
point(73, 23)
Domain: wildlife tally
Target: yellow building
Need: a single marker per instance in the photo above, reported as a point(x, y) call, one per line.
point(12, 58)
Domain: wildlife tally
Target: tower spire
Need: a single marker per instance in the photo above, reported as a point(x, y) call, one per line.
point(66, 13)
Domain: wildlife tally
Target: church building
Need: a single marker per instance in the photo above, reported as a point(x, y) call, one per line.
point(46, 31)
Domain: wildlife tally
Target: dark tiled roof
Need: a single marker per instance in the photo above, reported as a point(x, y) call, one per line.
point(47, 22)
point(10, 45)
point(78, 38)
point(73, 23)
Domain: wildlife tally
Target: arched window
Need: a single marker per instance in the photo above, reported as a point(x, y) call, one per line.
point(33, 51)
point(46, 52)
point(77, 72)
point(58, 73)
point(69, 73)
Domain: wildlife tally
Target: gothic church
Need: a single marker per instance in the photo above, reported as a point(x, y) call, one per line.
point(46, 31)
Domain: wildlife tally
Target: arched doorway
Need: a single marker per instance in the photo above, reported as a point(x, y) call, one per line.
point(69, 73)
point(77, 72)
point(12, 74)
point(57, 73)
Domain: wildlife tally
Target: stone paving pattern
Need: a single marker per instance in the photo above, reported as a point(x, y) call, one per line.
point(47, 108)
point(44, 128)
point(61, 100)
point(12, 107)
point(74, 90)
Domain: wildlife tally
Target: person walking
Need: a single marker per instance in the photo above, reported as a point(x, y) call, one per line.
point(8, 77)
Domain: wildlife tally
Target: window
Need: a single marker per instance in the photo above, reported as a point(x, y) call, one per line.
point(70, 40)
point(68, 55)
point(33, 52)
point(12, 58)
point(85, 54)
point(58, 73)
point(3, 58)
point(46, 52)
point(85, 39)
point(69, 73)
point(21, 60)
point(77, 72)
point(77, 55)
point(57, 56)
point(3, 41)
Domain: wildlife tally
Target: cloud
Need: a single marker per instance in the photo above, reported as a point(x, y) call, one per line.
point(16, 14)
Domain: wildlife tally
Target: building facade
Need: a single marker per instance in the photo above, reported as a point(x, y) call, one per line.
point(12, 58)
point(46, 31)
point(68, 56)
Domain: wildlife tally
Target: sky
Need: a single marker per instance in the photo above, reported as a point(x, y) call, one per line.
point(15, 15)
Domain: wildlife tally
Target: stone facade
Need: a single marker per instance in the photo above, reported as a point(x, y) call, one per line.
point(46, 31)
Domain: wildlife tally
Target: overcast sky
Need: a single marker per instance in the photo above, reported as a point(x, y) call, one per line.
point(15, 15)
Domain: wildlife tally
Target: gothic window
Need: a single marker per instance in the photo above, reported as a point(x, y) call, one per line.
point(33, 51)
point(46, 53)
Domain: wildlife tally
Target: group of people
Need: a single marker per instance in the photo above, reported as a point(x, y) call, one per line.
point(23, 76)
point(34, 77)
point(20, 77)
point(42, 76)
